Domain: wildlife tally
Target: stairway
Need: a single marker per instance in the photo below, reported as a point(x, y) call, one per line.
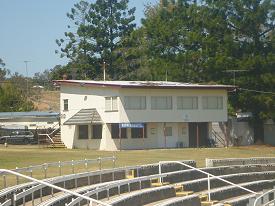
point(57, 142)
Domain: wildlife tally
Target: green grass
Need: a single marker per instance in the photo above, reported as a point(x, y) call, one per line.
point(23, 156)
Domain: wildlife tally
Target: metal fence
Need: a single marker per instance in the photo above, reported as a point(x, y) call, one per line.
point(59, 166)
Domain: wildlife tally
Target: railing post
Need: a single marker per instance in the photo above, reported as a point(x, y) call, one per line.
point(99, 163)
point(114, 162)
point(59, 166)
point(209, 188)
point(86, 164)
point(17, 178)
point(72, 166)
point(4, 181)
point(45, 170)
point(160, 179)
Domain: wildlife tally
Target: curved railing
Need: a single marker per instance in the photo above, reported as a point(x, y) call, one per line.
point(208, 177)
point(90, 201)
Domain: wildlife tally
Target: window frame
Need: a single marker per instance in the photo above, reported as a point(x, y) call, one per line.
point(79, 129)
point(140, 130)
point(159, 97)
point(180, 101)
point(205, 99)
point(93, 131)
point(112, 109)
point(142, 105)
point(115, 126)
point(66, 108)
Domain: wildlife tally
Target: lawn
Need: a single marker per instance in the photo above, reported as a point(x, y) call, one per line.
point(23, 156)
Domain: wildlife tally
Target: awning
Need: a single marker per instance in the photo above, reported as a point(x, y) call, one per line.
point(84, 116)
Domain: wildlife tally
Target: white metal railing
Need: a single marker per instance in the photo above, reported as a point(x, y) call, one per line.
point(44, 167)
point(90, 201)
point(208, 177)
point(264, 199)
point(52, 132)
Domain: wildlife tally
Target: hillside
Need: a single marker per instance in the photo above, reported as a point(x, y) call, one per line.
point(46, 100)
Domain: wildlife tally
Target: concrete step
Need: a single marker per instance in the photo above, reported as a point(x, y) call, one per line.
point(184, 193)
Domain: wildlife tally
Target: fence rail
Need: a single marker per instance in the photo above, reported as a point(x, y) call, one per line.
point(44, 167)
point(208, 177)
point(90, 201)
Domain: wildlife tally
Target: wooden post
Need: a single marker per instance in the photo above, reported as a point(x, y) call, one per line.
point(164, 132)
point(198, 140)
point(119, 138)
point(143, 137)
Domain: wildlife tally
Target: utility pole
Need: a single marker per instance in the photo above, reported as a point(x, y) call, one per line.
point(27, 73)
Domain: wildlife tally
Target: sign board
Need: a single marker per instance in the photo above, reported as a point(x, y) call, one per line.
point(131, 125)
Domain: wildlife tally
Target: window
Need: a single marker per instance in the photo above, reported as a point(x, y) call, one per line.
point(111, 104)
point(65, 104)
point(97, 131)
point(135, 102)
point(187, 102)
point(161, 103)
point(168, 131)
point(115, 131)
point(83, 132)
point(212, 102)
point(138, 132)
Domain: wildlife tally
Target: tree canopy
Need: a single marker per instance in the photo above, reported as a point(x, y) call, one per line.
point(207, 41)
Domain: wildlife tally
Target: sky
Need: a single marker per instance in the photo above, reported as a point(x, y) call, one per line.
point(29, 28)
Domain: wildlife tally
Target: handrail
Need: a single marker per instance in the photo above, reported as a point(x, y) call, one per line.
point(219, 138)
point(208, 176)
point(90, 200)
point(64, 163)
point(47, 136)
point(261, 196)
point(72, 163)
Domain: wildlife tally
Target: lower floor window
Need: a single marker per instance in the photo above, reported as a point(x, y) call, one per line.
point(115, 131)
point(168, 131)
point(83, 132)
point(138, 132)
point(97, 131)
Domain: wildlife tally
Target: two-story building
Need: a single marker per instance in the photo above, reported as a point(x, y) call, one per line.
point(113, 115)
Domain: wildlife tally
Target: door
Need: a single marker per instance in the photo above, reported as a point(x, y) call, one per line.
point(198, 134)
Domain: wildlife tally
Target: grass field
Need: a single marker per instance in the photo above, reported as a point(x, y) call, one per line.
point(23, 156)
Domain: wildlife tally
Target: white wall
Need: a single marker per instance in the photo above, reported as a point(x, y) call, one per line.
point(94, 97)
point(31, 123)
point(155, 138)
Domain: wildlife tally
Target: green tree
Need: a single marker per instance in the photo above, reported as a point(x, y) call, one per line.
point(99, 29)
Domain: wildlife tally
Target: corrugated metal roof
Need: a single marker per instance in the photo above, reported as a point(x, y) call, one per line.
point(84, 116)
point(12, 115)
point(145, 84)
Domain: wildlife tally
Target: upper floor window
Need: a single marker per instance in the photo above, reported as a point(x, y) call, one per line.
point(135, 102)
point(187, 102)
point(111, 104)
point(65, 104)
point(161, 103)
point(212, 102)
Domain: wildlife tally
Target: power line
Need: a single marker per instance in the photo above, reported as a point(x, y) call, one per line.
point(257, 91)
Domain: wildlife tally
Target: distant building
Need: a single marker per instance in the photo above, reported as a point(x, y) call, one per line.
point(113, 115)
point(28, 120)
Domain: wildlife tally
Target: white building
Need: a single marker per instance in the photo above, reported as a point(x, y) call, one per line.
point(94, 114)
point(33, 120)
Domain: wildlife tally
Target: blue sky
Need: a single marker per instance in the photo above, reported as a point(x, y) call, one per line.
point(29, 29)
